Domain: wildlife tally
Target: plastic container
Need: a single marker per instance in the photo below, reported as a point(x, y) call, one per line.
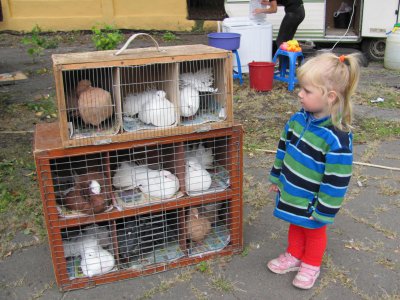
point(261, 75)
point(224, 40)
point(392, 50)
point(258, 18)
point(255, 40)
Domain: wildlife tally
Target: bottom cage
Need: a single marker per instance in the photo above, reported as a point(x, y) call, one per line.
point(144, 244)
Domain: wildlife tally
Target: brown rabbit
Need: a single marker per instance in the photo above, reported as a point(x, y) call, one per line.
point(89, 194)
point(94, 104)
point(197, 226)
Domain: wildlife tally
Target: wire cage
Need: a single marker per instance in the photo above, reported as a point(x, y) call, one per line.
point(133, 208)
point(81, 184)
point(142, 94)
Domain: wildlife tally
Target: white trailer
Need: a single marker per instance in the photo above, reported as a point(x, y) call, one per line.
point(371, 21)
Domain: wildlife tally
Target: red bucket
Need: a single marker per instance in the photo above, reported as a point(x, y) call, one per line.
point(261, 75)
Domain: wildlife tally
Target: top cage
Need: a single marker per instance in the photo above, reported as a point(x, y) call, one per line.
point(142, 93)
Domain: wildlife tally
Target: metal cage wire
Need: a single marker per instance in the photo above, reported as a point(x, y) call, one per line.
point(104, 104)
point(156, 207)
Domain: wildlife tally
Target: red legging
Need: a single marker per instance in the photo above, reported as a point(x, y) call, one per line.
point(306, 244)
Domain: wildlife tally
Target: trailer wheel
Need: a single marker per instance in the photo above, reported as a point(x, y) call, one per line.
point(374, 49)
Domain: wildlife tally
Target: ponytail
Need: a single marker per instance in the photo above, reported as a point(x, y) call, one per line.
point(340, 74)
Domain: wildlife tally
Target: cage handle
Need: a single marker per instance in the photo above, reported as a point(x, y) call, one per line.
point(132, 38)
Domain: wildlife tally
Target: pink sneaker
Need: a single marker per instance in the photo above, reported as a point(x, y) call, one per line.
point(306, 276)
point(284, 263)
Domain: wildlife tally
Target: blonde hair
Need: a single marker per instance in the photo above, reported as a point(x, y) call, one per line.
point(341, 74)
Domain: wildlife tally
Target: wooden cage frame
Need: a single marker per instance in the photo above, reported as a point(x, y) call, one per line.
point(48, 146)
point(139, 57)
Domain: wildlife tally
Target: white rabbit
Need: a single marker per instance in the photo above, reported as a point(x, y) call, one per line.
point(204, 156)
point(129, 175)
point(75, 246)
point(158, 111)
point(134, 102)
point(190, 101)
point(164, 185)
point(202, 80)
point(95, 260)
point(91, 236)
point(160, 184)
point(196, 178)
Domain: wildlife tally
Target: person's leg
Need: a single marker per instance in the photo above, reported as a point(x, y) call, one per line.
point(289, 261)
point(296, 241)
point(315, 245)
point(316, 241)
point(289, 25)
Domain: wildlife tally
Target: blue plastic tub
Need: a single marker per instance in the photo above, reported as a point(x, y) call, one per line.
point(224, 40)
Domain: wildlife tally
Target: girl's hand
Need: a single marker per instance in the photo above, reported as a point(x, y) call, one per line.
point(311, 218)
point(273, 188)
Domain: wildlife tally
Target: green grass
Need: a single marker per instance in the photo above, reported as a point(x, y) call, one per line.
point(36, 42)
point(203, 266)
point(44, 107)
point(223, 284)
point(20, 204)
point(264, 115)
point(375, 90)
point(245, 251)
point(169, 37)
point(106, 36)
point(367, 130)
point(20, 201)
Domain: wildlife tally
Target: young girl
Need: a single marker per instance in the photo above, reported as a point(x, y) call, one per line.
point(313, 163)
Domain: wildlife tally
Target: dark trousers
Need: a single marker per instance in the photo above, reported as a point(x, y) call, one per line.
point(289, 25)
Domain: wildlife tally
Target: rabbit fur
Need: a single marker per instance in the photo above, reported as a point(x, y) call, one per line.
point(198, 158)
point(73, 246)
point(155, 183)
point(158, 112)
point(197, 226)
point(138, 236)
point(202, 80)
point(90, 245)
point(204, 156)
point(89, 193)
point(133, 103)
point(94, 259)
point(190, 101)
point(94, 104)
point(196, 177)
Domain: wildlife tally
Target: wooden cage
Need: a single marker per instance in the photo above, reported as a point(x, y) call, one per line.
point(138, 228)
point(142, 93)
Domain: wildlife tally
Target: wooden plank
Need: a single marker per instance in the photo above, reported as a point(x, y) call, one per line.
point(148, 270)
point(11, 77)
point(48, 141)
point(135, 54)
point(187, 201)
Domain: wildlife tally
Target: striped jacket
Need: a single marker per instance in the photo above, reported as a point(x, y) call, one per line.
point(312, 169)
